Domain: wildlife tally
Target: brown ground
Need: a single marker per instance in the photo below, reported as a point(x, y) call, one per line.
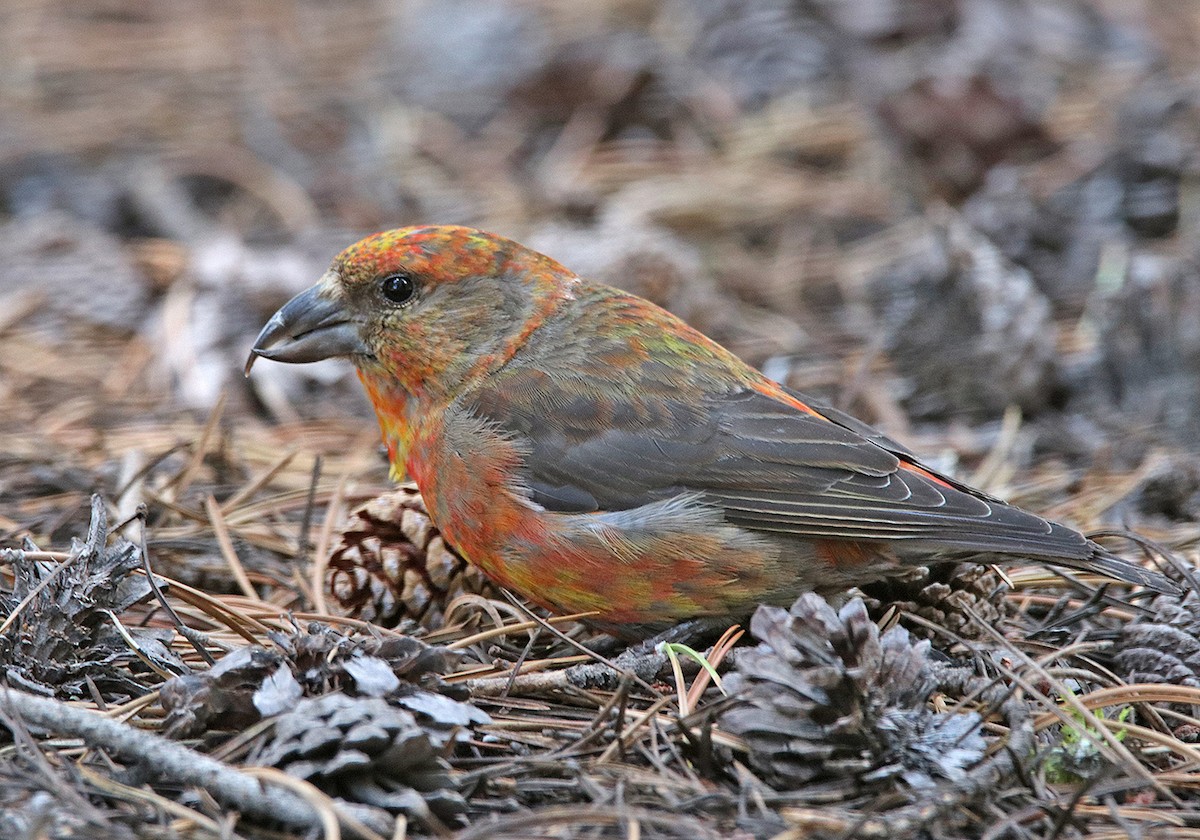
point(971, 223)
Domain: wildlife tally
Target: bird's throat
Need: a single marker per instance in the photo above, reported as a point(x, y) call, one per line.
point(394, 408)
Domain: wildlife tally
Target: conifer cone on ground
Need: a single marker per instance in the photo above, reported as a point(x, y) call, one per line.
point(365, 750)
point(1163, 646)
point(946, 596)
point(828, 699)
point(392, 564)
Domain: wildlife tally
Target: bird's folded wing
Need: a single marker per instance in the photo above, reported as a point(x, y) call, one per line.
point(770, 465)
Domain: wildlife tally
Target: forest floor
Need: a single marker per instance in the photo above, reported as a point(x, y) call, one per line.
point(971, 224)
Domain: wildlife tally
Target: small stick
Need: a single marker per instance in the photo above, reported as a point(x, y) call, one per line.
point(172, 762)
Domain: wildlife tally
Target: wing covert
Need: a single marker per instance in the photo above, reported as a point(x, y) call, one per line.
point(769, 465)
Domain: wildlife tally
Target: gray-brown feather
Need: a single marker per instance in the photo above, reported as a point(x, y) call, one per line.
point(615, 437)
point(769, 466)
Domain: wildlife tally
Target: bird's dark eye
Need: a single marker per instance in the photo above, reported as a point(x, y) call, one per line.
point(398, 288)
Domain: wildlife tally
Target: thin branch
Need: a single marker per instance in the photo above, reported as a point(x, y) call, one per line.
point(176, 763)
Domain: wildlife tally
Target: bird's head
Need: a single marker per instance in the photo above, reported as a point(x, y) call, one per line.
point(420, 308)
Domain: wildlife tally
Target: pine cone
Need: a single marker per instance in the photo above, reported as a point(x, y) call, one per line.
point(62, 643)
point(223, 697)
point(392, 564)
point(826, 698)
point(1163, 647)
point(324, 660)
point(252, 682)
point(944, 595)
point(364, 750)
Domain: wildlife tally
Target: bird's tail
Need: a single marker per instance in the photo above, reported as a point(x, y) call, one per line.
point(1112, 566)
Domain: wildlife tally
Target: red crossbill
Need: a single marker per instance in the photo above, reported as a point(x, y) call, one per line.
point(592, 452)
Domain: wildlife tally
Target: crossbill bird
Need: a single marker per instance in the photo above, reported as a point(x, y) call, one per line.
point(593, 453)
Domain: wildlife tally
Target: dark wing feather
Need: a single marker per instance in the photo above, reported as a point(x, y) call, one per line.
point(769, 465)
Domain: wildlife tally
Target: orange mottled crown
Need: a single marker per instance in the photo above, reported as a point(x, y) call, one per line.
point(441, 253)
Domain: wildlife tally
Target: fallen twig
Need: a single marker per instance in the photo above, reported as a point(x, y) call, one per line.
point(179, 765)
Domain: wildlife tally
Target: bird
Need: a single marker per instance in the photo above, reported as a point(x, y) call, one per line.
point(593, 453)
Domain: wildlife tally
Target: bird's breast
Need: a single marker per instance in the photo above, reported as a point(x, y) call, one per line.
point(470, 475)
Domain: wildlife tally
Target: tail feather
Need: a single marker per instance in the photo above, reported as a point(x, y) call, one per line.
point(1112, 566)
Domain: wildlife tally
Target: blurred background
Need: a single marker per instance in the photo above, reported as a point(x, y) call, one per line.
point(971, 222)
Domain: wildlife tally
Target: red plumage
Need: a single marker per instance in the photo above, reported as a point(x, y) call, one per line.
point(592, 452)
